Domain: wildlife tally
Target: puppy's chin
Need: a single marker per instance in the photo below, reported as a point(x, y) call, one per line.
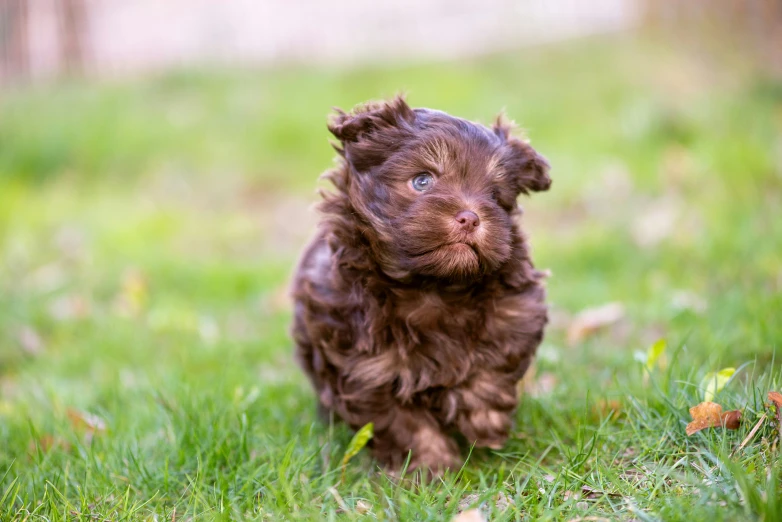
point(453, 261)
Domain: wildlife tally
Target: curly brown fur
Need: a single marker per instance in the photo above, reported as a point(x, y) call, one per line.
point(407, 314)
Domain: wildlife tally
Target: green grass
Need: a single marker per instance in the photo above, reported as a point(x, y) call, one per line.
point(148, 229)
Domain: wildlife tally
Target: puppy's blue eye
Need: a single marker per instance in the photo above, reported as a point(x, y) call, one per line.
point(422, 182)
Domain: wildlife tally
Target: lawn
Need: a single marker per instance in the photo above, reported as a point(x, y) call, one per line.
point(149, 227)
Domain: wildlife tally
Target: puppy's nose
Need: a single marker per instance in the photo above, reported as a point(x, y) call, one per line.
point(468, 220)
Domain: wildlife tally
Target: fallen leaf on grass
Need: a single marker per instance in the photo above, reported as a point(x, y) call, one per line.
point(776, 398)
point(46, 443)
point(710, 415)
point(357, 443)
point(88, 423)
point(714, 382)
point(607, 409)
point(655, 355)
point(471, 515)
point(592, 320)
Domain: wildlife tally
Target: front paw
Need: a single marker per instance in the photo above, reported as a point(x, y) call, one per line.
point(434, 451)
point(485, 428)
point(430, 451)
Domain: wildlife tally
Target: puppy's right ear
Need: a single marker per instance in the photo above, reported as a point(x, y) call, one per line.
point(528, 169)
point(371, 131)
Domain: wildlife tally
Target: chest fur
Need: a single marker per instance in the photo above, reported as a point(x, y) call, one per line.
point(426, 340)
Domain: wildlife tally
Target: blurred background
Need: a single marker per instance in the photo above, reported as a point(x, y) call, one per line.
point(159, 162)
point(44, 39)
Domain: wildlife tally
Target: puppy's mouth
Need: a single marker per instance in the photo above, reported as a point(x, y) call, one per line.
point(455, 247)
point(459, 260)
point(462, 247)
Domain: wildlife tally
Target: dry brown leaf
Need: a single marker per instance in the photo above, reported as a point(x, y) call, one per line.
point(776, 398)
point(471, 515)
point(47, 443)
point(592, 320)
point(605, 408)
point(88, 423)
point(710, 415)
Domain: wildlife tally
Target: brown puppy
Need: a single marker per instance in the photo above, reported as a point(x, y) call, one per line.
point(417, 306)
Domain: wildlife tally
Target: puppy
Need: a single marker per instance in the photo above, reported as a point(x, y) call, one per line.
point(417, 306)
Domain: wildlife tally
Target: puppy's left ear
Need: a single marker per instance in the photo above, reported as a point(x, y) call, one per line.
point(372, 131)
point(529, 169)
point(370, 118)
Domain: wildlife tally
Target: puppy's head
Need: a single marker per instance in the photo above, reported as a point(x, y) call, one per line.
point(437, 194)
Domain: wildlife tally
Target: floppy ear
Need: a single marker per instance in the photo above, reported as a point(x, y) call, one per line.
point(528, 168)
point(371, 131)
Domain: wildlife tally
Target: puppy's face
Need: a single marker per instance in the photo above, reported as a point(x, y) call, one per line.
point(438, 193)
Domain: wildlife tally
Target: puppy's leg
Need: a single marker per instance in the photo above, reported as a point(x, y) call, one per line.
point(418, 433)
point(484, 409)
